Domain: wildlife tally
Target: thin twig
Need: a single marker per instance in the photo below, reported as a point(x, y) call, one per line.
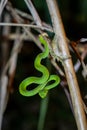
point(3, 96)
point(33, 12)
point(23, 14)
point(4, 78)
point(26, 25)
point(2, 5)
point(14, 56)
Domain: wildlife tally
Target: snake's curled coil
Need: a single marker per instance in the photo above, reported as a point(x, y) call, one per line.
point(43, 86)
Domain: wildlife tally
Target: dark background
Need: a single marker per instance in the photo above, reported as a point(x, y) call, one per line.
point(22, 113)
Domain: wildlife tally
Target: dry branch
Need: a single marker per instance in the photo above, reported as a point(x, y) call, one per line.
point(61, 45)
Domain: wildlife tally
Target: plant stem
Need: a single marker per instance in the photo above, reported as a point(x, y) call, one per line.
point(43, 110)
point(68, 66)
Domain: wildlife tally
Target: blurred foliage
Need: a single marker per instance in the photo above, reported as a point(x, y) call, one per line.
point(22, 113)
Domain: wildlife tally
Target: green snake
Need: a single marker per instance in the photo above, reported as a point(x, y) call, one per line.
point(45, 82)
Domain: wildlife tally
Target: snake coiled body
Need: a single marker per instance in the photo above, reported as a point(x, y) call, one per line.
point(42, 82)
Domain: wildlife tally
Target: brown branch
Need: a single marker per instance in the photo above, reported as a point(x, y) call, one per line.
point(14, 56)
point(33, 12)
point(4, 78)
point(68, 66)
point(2, 5)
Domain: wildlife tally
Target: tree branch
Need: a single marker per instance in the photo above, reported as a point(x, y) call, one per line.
point(61, 45)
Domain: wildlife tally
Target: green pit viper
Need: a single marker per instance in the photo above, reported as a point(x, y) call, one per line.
point(44, 82)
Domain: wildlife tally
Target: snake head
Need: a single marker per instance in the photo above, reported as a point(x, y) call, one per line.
point(43, 93)
point(42, 36)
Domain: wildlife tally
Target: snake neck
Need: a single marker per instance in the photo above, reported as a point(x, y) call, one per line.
point(41, 68)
